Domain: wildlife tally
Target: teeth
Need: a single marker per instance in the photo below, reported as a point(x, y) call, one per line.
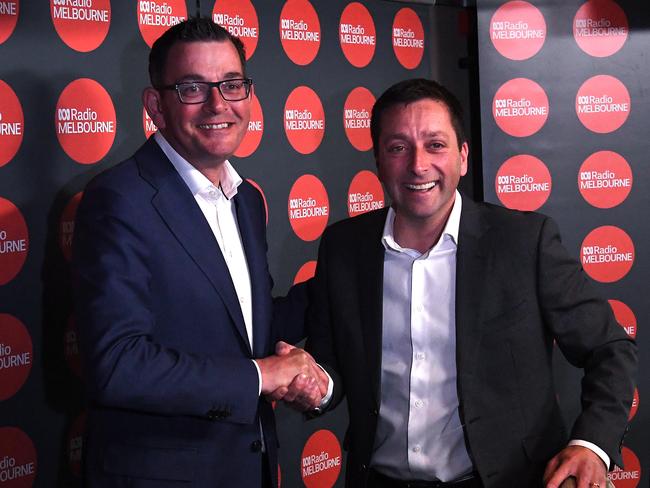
point(223, 125)
point(423, 186)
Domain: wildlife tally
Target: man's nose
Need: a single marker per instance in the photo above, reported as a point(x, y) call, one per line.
point(215, 100)
point(418, 162)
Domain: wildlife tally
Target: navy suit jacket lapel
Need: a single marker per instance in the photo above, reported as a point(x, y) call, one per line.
point(178, 208)
point(249, 218)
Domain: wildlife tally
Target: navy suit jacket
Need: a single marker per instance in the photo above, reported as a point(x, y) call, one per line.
point(172, 389)
point(517, 291)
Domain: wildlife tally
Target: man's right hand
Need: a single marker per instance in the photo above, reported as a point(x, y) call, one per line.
point(292, 375)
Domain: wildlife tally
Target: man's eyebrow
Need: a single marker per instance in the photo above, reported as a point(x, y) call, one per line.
point(403, 135)
point(197, 77)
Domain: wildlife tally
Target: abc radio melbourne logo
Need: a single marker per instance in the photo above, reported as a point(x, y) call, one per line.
point(408, 38)
point(240, 19)
point(357, 35)
point(156, 16)
point(518, 30)
point(321, 460)
point(300, 31)
point(600, 28)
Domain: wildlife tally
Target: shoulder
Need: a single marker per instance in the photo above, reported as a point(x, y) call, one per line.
point(125, 175)
point(360, 227)
point(502, 219)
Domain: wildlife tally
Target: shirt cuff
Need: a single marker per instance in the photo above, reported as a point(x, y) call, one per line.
point(589, 445)
point(330, 388)
point(259, 378)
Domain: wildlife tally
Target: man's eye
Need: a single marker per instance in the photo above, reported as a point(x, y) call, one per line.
point(396, 149)
point(233, 85)
point(191, 89)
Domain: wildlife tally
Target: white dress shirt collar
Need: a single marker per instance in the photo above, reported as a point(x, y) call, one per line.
point(451, 226)
point(196, 181)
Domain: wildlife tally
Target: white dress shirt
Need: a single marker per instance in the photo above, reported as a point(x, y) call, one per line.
point(219, 211)
point(419, 434)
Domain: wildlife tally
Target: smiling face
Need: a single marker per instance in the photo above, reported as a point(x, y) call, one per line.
point(205, 134)
point(420, 163)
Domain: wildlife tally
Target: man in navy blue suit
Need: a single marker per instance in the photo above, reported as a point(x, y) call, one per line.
point(173, 292)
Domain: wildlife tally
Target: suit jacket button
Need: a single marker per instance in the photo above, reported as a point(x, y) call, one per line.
point(256, 446)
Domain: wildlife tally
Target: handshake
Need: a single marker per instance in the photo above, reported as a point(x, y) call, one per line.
point(293, 376)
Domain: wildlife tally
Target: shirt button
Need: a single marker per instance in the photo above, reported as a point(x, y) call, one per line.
point(420, 356)
point(419, 403)
point(416, 448)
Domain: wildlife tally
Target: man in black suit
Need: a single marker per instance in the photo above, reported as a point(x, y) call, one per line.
point(437, 317)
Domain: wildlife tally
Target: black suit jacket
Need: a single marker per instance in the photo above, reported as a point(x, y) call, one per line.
point(173, 392)
point(517, 291)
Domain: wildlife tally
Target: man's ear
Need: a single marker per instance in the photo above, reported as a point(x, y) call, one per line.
point(151, 99)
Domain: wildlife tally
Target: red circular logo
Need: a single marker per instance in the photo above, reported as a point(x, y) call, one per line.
point(66, 226)
point(365, 193)
point(71, 347)
point(240, 19)
point(304, 120)
point(17, 458)
point(603, 104)
point(253, 136)
point(309, 207)
point(605, 179)
point(8, 18)
point(520, 107)
point(631, 475)
point(607, 254)
point(408, 38)
point(15, 355)
point(357, 35)
point(14, 241)
point(306, 271)
point(517, 30)
point(85, 121)
point(321, 460)
point(299, 31)
point(600, 28)
point(156, 16)
point(356, 118)
point(147, 124)
point(75, 444)
point(12, 123)
point(635, 405)
point(624, 316)
point(82, 25)
point(259, 188)
point(523, 182)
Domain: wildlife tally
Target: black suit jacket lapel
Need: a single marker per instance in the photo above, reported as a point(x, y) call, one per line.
point(471, 281)
point(177, 208)
point(371, 292)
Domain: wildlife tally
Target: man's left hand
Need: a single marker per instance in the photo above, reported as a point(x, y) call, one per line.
point(580, 462)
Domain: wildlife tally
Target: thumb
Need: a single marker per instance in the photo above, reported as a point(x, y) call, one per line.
point(282, 348)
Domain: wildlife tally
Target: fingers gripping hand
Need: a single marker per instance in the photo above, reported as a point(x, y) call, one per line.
point(279, 372)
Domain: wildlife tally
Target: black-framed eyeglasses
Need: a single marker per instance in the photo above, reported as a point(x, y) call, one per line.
point(190, 92)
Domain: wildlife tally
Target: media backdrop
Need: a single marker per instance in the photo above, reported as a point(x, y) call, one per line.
point(564, 116)
point(71, 74)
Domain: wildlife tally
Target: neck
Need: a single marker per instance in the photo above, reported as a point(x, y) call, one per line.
point(420, 234)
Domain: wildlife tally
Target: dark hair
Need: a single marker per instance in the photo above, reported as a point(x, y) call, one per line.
point(413, 90)
point(194, 29)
